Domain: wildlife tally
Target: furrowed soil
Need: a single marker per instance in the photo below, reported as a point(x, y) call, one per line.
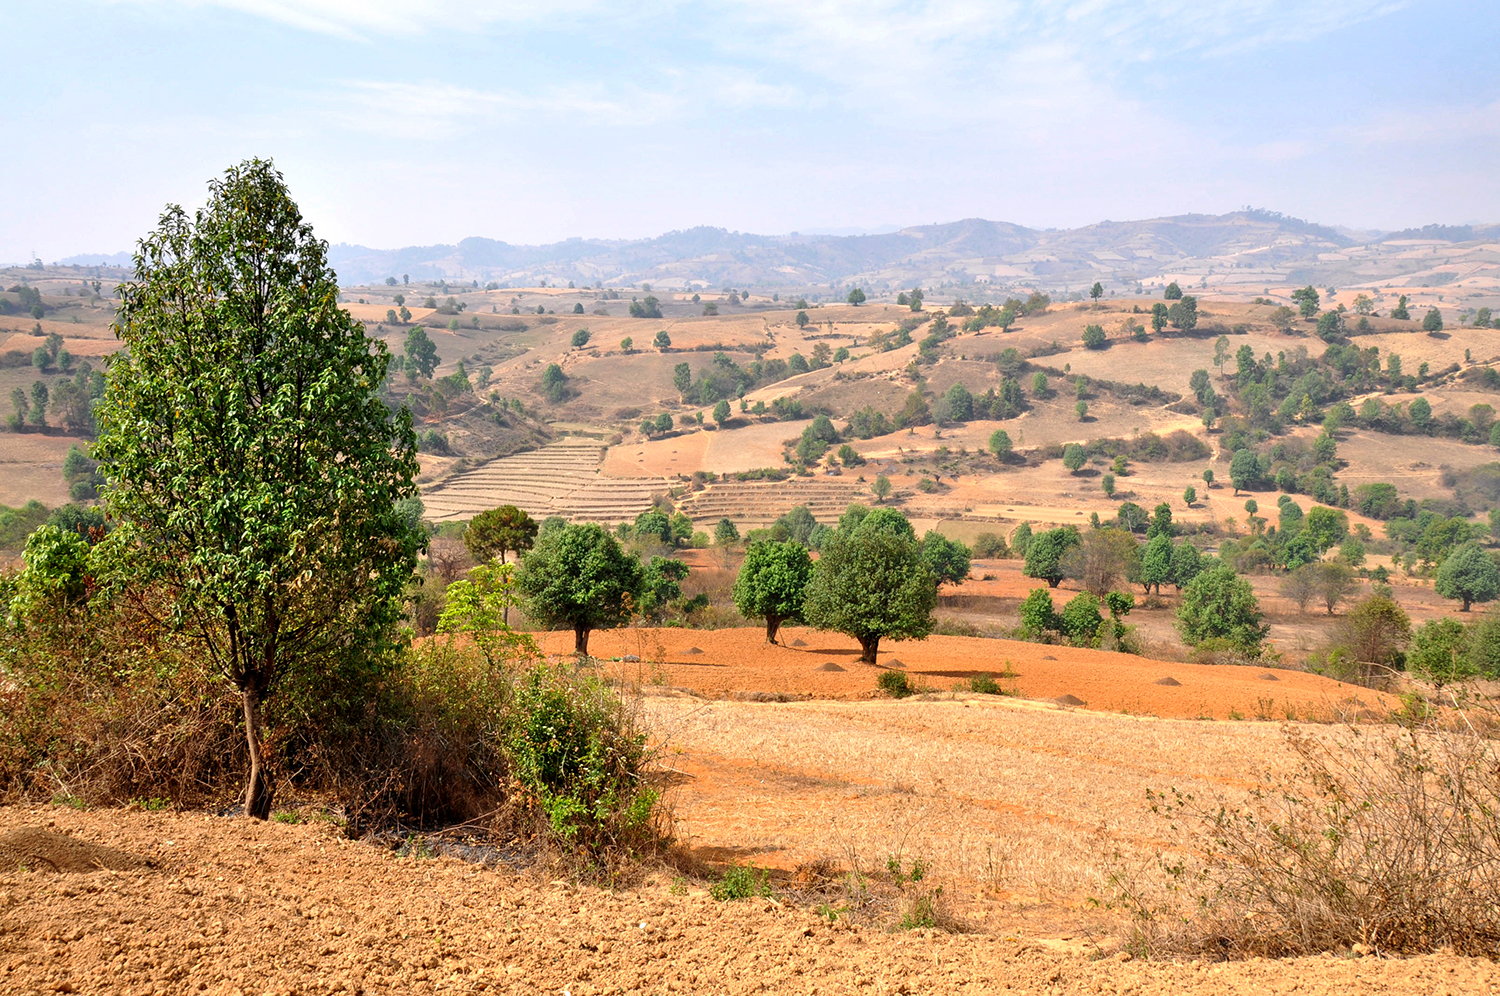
point(233, 907)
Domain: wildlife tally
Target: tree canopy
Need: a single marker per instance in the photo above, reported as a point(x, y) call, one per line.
point(871, 582)
point(494, 533)
point(1218, 604)
point(1469, 575)
point(579, 577)
point(772, 583)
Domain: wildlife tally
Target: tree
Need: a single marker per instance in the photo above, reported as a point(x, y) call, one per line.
point(1094, 337)
point(682, 378)
point(421, 352)
point(1156, 564)
point(1282, 318)
point(1325, 527)
point(1300, 585)
point(1186, 564)
point(1000, 445)
point(721, 413)
point(1045, 552)
point(39, 398)
point(1189, 496)
point(1173, 292)
point(871, 583)
point(647, 307)
point(582, 336)
point(1335, 583)
point(1208, 478)
point(1159, 316)
point(662, 341)
point(244, 441)
point(1221, 352)
point(1184, 314)
point(1107, 484)
point(1101, 559)
point(1374, 632)
point(960, 403)
point(1039, 384)
point(772, 583)
point(1330, 326)
point(856, 297)
point(1218, 604)
point(579, 577)
point(1096, 292)
point(1161, 522)
point(1469, 575)
point(1074, 457)
point(1399, 311)
point(1433, 320)
point(881, 488)
point(948, 560)
point(1081, 409)
point(726, 533)
point(1244, 470)
point(492, 534)
point(802, 319)
point(1440, 652)
point(627, 344)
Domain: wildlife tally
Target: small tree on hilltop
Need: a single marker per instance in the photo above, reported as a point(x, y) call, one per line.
point(582, 336)
point(578, 576)
point(856, 297)
point(1074, 457)
point(726, 533)
point(870, 584)
point(1469, 575)
point(662, 341)
point(881, 488)
point(721, 413)
point(772, 584)
point(1096, 292)
point(421, 352)
point(1000, 445)
point(1433, 320)
point(1173, 292)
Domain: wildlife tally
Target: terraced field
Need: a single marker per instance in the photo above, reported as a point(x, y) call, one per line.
point(751, 504)
point(562, 478)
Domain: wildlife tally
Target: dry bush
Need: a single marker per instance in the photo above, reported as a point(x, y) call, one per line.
point(1385, 837)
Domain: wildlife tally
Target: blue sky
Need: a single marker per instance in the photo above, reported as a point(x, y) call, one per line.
point(400, 123)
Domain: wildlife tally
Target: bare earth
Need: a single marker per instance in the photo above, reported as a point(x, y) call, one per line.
point(234, 907)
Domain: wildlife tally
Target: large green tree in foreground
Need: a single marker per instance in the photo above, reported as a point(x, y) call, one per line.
point(243, 440)
point(772, 582)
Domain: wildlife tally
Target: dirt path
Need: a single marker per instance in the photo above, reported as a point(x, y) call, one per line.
point(236, 908)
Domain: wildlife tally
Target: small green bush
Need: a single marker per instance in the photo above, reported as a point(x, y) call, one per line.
point(895, 684)
point(741, 882)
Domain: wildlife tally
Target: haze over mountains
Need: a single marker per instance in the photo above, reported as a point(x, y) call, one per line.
point(1241, 251)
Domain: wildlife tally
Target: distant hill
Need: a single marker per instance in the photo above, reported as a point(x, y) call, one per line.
point(1241, 252)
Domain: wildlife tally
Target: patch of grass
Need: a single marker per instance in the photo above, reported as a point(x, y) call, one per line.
point(984, 684)
point(287, 816)
point(741, 882)
point(417, 848)
point(922, 910)
point(152, 805)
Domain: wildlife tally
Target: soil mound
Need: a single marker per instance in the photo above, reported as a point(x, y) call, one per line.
point(692, 651)
point(1168, 680)
point(799, 643)
point(830, 666)
point(1048, 657)
point(893, 662)
point(1068, 700)
point(1268, 676)
point(42, 850)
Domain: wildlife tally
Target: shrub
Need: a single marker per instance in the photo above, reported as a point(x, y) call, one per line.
point(896, 684)
point(741, 882)
point(1380, 838)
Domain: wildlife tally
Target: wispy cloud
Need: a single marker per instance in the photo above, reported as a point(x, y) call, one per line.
point(360, 19)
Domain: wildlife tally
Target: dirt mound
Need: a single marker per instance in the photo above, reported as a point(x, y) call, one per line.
point(830, 666)
point(799, 643)
point(1069, 700)
point(893, 662)
point(1169, 681)
point(692, 651)
point(1268, 676)
point(1048, 657)
point(30, 848)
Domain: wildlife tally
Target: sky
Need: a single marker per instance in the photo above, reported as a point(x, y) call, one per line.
point(401, 122)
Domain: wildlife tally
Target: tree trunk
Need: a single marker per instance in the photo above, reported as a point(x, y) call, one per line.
point(1052, 582)
point(581, 639)
point(258, 791)
point(1467, 603)
point(869, 645)
point(773, 626)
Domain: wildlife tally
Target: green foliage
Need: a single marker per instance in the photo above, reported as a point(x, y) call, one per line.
point(721, 413)
point(991, 546)
point(1094, 338)
point(1173, 292)
point(1440, 652)
point(1045, 551)
point(554, 384)
point(647, 307)
point(243, 438)
point(1156, 563)
point(1074, 457)
point(948, 560)
point(772, 584)
point(725, 532)
point(578, 576)
point(1020, 539)
point(1000, 444)
point(1219, 604)
point(1184, 314)
point(581, 337)
point(871, 583)
point(421, 352)
point(1469, 575)
point(896, 684)
point(741, 881)
point(1433, 320)
point(662, 341)
point(494, 533)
